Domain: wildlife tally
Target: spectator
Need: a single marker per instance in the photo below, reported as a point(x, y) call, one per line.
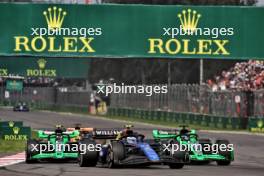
point(243, 76)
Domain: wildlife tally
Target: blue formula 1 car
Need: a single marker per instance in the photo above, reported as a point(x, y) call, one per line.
point(21, 107)
point(131, 149)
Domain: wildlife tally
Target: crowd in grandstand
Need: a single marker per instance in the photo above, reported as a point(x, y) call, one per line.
point(243, 76)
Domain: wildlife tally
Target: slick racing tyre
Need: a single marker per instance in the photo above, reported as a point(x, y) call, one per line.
point(226, 154)
point(206, 144)
point(116, 152)
point(87, 158)
point(181, 156)
point(31, 150)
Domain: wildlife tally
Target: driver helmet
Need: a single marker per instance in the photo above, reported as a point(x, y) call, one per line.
point(184, 130)
point(128, 130)
point(59, 129)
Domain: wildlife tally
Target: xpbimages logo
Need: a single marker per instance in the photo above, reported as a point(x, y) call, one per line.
point(181, 41)
point(147, 90)
point(56, 37)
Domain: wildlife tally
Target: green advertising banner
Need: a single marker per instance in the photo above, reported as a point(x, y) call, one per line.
point(11, 124)
point(256, 124)
point(44, 67)
point(14, 130)
point(16, 133)
point(116, 31)
point(14, 85)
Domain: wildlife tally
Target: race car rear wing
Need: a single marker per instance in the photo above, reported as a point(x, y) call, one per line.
point(105, 133)
point(82, 130)
point(46, 134)
point(163, 134)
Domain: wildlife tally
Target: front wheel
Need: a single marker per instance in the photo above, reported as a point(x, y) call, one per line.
point(116, 152)
point(226, 154)
point(87, 158)
point(31, 146)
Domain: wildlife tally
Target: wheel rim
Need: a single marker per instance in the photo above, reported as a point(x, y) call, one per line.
point(80, 160)
point(109, 159)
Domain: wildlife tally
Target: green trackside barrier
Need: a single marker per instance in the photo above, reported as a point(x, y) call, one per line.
point(127, 112)
point(170, 117)
point(175, 117)
point(187, 118)
point(162, 118)
point(121, 112)
point(192, 119)
point(199, 119)
point(133, 113)
point(180, 118)
point(110, 112)
point(149, 115)
point(154, 114)
point(116, 112)
point(142, 115)
point(211, 121)
point(137, 114)
point(256, 124)
point(205, 120)
point(218, 122)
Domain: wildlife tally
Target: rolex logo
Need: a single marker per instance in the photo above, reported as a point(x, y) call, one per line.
point(54, 17)
point(260, 124)
point(189, 20)
point(16, 130)
point(11, 124)
point(42, 63)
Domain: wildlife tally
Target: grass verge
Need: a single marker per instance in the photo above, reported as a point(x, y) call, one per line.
point(11, 147)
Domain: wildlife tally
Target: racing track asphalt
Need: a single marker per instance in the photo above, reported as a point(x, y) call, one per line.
point(249, 151)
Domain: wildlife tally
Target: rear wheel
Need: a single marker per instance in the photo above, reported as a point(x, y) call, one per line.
point(206, 145)
point(181, 156)
point(31, 150)
point(88, 158)
point(226, 154)
point(116, 152)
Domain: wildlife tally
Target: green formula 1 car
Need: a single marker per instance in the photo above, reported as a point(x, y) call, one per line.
point(201, 150)
point(58, 144)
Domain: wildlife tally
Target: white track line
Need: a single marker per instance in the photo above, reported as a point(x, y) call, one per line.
point(13, 159)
